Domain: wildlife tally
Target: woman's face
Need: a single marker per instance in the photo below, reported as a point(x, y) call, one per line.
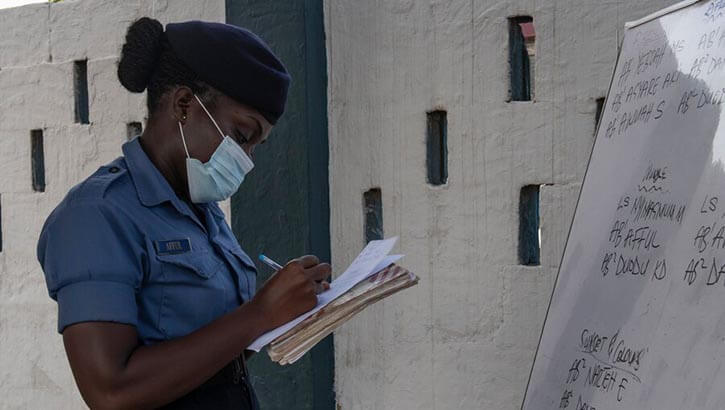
point(243, 124)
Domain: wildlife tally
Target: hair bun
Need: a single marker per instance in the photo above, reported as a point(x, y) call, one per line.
point(140, 54)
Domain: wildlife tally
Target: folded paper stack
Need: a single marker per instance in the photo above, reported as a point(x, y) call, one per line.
point(293, 344)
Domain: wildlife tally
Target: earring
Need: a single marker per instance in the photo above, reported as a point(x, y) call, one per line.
point(183, 117)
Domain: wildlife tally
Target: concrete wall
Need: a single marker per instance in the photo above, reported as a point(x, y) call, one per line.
point(38, 44)
point(465, 337)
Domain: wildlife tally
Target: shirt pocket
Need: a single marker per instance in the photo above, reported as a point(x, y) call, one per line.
point(192, 292)
point(200, 262)
point(247, 274)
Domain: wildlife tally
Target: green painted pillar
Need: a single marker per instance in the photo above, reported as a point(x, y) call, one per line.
point(282, 209)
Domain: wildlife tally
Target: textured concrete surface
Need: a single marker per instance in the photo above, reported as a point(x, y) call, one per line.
point(38, 44)
point(465, 337)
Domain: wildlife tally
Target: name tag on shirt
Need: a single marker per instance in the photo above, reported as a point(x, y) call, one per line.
point(173, 246)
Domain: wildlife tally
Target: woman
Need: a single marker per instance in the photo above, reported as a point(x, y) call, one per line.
point(154, 293)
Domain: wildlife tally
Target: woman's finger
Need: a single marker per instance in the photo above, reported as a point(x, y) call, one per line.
point(308, 261)
point(319, 272)
point(321, 287)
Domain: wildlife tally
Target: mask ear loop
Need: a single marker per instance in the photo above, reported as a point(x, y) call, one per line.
point(183, 140)
point(210, 117)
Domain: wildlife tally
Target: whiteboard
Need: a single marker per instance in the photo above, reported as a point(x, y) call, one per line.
point(637, 317)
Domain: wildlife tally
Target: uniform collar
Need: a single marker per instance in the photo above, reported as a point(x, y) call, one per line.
point(151, 186)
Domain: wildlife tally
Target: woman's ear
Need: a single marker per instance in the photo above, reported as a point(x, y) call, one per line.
point(181, 101)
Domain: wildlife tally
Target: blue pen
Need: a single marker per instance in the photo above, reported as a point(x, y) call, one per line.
point(269, 262)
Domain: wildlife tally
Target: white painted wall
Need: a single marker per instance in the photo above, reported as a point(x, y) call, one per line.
point(38, 44)
point(465, 337)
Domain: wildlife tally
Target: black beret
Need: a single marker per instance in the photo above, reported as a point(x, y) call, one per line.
point(235, 61)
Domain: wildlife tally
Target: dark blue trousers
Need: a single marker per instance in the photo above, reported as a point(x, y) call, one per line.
point(219, 397)
point(229, 389)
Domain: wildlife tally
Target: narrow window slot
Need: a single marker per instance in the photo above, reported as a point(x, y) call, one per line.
point(529, 235)
point(373, 212)
point(37, 160)
point(437, 148)
point(522, 51)
point(133, 129)
point(598, 113)
point(80, 91)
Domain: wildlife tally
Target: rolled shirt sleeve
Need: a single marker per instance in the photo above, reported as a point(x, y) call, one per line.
point(92, 257)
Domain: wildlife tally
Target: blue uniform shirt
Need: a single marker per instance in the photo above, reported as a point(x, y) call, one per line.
point(122, 247)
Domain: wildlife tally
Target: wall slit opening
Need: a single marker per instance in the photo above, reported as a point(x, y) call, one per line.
point(37, 160)
point(437, 147)
point(598, 113)
point(373, 214)
point(80, 91)
point(133, 129)
point(529, 226)
point(522, 52)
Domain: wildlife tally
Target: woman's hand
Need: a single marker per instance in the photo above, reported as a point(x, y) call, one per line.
point(292, 291)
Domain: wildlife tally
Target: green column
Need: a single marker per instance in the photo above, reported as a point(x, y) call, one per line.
point(282, 209)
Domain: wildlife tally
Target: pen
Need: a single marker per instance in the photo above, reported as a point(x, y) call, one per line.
point(269, 262)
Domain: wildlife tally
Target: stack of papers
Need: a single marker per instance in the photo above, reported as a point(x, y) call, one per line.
point(292, 345)
point(349, 294)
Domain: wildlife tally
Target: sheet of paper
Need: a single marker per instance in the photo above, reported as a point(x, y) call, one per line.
point(348, 281)
point(385, 263)
point(364, 265)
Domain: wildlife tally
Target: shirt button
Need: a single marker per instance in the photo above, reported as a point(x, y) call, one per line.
point(113, 170)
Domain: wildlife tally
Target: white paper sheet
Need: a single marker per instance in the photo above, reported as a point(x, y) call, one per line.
point(371, 260)
point(385, 263)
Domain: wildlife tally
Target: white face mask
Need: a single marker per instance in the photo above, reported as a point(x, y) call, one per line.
point(220, 177)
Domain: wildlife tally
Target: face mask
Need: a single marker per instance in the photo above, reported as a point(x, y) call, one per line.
point(220, 177)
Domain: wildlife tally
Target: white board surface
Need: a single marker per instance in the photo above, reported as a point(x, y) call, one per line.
point(637, 318)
